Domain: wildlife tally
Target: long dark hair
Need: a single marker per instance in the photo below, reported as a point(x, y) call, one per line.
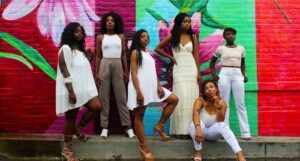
point(118, 23)
point(136, 45)
point(68, 38)
point(175, 39)
point(203, 87)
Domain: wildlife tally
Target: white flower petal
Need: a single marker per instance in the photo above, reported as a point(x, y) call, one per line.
point(18, 9)
point(71, 10)
point(57, 23)
point(43, 19)
point(84, 20)
point(89, 11)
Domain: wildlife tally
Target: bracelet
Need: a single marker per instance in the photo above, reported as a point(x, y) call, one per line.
point(68, 80)
point(197, 125)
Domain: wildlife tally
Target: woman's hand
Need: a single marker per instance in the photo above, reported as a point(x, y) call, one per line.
point(245, 79)
point(97, 80)
point(140, 98)
point(88, 53)
point(126, 77)
point(173, 60)
point(215, 99)
point(215, 78)
point(199, 79)
point(72, 98)
point(199, 135)
point(160, 92)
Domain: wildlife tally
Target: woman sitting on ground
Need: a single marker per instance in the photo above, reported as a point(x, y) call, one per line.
point(208, 121)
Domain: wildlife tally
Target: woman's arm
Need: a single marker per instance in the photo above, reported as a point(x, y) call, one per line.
point(213, 68)
point(196, 57)
point(221, 107)
point(243, 68)
point(198, 105)
point(98, 58)
point(159, 48)
point(124, 57)
point(67, 76)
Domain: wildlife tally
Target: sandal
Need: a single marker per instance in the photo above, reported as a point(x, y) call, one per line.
point(197, 159)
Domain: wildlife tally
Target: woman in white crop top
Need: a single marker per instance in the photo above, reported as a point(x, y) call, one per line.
point(208, 116)
point(232, 77)
point(111, 70)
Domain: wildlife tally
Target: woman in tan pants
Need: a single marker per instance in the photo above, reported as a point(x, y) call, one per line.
point(111, 69)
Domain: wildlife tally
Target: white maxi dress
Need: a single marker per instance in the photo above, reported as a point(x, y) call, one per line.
point(185, 87)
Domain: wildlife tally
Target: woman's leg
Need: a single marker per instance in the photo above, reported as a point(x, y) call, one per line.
point(224, 84)
point(198, 146)
point(70, 117)
point(120, 95)
point(139, 126)
point(171, 101)
point(139, 131)
point(238, 91)
point(221, 129)
point(94, 107)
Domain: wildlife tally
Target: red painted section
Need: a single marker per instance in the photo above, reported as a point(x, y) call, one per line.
point(278, 64)
point(27, 102)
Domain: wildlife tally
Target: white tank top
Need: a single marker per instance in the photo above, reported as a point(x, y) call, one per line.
point(111, 46)
point(206, 118)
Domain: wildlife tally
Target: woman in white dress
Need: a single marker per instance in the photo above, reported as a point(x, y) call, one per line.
point(75, 86)
point(186, 72)
point(144, 88)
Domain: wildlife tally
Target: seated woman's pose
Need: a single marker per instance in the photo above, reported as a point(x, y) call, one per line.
point(208, 121)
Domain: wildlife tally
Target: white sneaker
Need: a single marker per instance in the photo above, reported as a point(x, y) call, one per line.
point(130, 133)
point(104, 133)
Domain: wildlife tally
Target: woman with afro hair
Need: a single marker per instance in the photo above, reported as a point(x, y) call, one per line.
point(111, 70)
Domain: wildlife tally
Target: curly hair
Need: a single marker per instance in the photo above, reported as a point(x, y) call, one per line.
point(175, 39)
point(68, 38)
point(203, 87)
point(118, 22)
point(136, 45)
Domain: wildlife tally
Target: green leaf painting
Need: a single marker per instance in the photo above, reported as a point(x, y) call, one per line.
point(190, 7)
point(156, 15)
point(31, 54)
point(16, 57)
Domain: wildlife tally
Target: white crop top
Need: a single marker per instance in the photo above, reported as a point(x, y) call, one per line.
point(230, 56)
point(111, 46)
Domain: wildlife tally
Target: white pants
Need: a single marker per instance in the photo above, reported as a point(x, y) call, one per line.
point(232, 79)
point(214, 132)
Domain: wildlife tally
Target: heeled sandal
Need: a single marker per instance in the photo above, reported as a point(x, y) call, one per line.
point(197, 159)
point(146, 156)
point(69, 155)
point(159, 128)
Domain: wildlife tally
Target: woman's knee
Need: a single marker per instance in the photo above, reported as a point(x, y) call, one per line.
point(95, 104)
point(139, 113)
point(173, 99)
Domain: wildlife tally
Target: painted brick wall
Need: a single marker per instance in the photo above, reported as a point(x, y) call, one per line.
point(269, 30)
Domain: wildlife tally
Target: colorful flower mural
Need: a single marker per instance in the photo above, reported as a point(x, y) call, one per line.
point(54, 15)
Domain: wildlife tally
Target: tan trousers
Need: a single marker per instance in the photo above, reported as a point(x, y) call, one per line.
point(111, 72)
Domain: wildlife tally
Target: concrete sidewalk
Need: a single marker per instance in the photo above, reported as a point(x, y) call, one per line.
point(47, 148)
